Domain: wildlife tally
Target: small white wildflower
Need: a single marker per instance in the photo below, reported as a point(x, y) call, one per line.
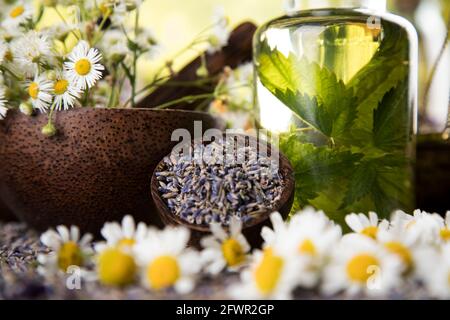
point(83, 67)
point(40, 90)
point(166, 262)
point(225, 249)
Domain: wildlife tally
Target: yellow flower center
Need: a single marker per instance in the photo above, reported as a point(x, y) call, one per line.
point(445, 234)
point(163, 272)
point(69, 255)
point(83, 67)
point(116, 268)
point(233, 252)
point(401, 251)
point(358, 268)
point(370, 232)
point(126, 242)
point(33, 90)
point(308, 247)
point(268, 272)
point(60, 87)
point(16, 11)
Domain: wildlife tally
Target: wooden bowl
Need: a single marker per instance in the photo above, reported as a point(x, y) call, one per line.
point(96, 169)
point(251, 229)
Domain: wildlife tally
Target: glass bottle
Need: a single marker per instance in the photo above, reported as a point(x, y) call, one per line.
point(337, 85)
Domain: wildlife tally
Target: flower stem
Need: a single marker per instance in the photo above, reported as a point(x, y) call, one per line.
point(187, 99)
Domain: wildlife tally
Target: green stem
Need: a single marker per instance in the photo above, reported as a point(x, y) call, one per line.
point(61, 16)
point(187, 99)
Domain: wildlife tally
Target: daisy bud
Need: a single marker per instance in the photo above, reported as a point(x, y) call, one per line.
point(49, 130)
point(26, 108)
point(202, 72)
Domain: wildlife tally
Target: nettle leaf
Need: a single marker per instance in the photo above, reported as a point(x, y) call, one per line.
point(385, 70)
point(361, 183)
point(384, 179)
point(316, 168)
point(390, 120)
point(311, 92)
point(276, 71)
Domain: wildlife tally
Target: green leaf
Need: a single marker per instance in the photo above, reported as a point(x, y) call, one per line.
point(390, 120)
point(316, 168)
point(361, 183)
point(384, 71)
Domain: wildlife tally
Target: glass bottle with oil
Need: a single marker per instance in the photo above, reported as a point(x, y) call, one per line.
point(337, 84)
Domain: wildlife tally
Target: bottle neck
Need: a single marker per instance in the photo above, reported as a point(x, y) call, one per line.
point(296, 5)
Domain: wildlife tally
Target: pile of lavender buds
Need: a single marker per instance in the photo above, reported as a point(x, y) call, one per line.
point(221, 180)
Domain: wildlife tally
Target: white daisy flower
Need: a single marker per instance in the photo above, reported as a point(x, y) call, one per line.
point(367, 226)
point(3, 50)
point(398, 242)
point(17, 14)
point(67, 249)
point(40, 90)
point(220, 33)
point(444, 233)
point(434, 270)
point(423, 227)
point(166, 263)
point(272, 274)
point(225, 249)
point(279, 227)
point(3, 108)
point(122, 235)
point(65, 92)
point(312, 236)
point(83, 66)
point(360, 264)
point(115, 45)
point(31, 50)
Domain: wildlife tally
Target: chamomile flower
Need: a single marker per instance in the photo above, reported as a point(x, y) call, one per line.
point(83, 67)
point(422, 227)
point(279, 227)
point(115, 45)
point(115, 266)
point(434, 270)
point(360, 264)
point(444, 232)
point(3, 108)
point(166, 263)
point(67, 249)
point(122, 235)
point(367, 226)
point(272, 274)
point(39, 91)
point(32, 50)
point(399, 243)
point(219, 33)
point(312, 236)
point(225, 249)
point(17, 14)
point(3, 50)
point(66, 94)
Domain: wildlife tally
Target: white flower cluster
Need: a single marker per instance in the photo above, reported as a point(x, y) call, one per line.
point(88, 57)
point(309, 252)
